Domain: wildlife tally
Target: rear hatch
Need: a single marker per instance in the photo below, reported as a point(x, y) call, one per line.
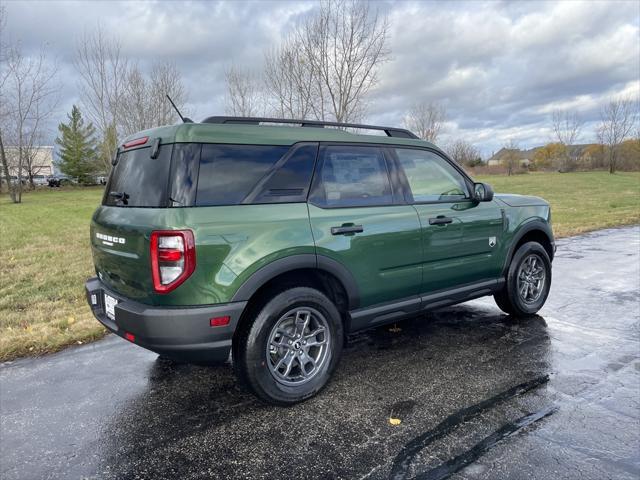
point(132, 207)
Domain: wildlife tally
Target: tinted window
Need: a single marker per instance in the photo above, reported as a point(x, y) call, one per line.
point(352, 176)
point(229, 172)
point(431, 177)
point(184, 173)
point(137, 180)
point(290, 181)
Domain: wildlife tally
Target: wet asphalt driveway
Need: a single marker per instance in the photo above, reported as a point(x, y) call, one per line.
point(479, 394)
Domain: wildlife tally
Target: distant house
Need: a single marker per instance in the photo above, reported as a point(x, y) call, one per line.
point(525, 157)
point(41, 163)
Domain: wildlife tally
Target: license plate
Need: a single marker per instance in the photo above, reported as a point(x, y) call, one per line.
point(110, 306)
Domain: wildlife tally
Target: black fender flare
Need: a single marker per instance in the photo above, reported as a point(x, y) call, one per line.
point(295, 262)
point(521, 232)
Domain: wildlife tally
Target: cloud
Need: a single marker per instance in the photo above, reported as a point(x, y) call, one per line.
point(499, 68)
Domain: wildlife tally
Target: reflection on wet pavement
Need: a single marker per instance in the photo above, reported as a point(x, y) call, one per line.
point(480, 395)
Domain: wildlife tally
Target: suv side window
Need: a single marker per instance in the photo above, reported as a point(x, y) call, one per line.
point(352, 176)
point(229, 172)
point(431, 177)
point(289, 180)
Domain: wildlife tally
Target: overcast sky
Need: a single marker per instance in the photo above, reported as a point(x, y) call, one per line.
point(500, 68)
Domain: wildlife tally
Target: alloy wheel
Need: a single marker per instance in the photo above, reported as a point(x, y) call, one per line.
point(531, 279)
point(298, 346)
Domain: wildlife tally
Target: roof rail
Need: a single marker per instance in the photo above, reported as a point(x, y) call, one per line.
point(390, 131)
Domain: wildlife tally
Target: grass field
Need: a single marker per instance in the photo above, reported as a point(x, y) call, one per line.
point(45, 256)
point(581, 201)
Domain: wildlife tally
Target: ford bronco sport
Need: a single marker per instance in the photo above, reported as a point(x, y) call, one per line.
point(272, 242)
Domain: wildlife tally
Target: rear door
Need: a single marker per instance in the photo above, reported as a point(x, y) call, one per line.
point(460, 235)
point(359, 218)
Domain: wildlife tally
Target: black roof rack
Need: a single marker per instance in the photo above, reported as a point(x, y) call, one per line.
point(390, 131)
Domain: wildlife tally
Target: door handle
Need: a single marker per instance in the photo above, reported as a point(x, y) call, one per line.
point(346, 229)
point(440, 220)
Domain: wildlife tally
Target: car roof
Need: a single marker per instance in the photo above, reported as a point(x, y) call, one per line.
point(265, 135)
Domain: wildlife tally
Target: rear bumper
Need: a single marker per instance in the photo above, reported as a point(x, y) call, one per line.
point(183, 333)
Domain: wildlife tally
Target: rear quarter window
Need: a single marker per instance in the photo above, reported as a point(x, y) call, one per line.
point(228, 173)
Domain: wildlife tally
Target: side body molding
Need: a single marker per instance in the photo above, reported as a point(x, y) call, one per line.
point(295, 262)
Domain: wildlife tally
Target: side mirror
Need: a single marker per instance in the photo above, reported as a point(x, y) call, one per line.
point(482, 192)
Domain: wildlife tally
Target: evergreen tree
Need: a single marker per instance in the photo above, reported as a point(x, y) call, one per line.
point(77, 142)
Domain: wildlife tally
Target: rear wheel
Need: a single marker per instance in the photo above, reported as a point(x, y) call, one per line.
point(293, 345)
point(528, 281)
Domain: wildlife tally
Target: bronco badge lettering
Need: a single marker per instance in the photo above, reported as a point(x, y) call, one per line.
point(110, 240)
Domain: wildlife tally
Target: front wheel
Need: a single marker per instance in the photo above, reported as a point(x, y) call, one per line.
point(293, 345)
point(528, 281)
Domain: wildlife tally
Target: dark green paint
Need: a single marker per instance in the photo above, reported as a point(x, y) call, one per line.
point(398, 255)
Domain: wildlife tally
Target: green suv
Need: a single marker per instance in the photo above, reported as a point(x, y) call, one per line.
point(273, 239)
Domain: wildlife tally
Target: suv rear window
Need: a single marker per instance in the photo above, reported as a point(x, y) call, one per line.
point(137, 180)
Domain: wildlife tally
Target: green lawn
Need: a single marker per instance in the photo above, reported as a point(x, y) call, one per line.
point(581, 201)
point(45, 256)
point(45, 259)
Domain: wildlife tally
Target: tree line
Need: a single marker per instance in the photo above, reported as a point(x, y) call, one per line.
point(323, 69)
point(616, 144)
point(116, 96)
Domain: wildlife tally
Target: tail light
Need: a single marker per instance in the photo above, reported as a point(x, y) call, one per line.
point(173, 258)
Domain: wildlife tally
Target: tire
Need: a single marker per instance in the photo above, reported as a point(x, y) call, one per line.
point(290, 372)
point(530, 258)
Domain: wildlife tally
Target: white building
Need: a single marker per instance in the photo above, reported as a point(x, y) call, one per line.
point(40, 159)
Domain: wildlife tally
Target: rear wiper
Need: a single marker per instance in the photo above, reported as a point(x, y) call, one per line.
point(122, 196)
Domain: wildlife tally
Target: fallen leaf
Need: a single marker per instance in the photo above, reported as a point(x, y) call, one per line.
point(395, 421)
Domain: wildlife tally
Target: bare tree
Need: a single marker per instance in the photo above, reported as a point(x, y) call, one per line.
point(345, 44)
point(566, 129)
point(244, 98)
point(290, 82)
point(144, 104)
point(463, 153)
point(426, 120)
point(32, 163)
point(30, 100)
point(166, 79)
point(103, 73)
point(511, 158)
point(618, 118)
point(4, 113)
point(324, 69)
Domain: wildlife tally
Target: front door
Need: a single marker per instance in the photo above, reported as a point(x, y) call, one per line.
point(460, 235)
point(360, 219)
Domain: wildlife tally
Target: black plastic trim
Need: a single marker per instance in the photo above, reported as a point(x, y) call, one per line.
point(295, 262)
point(528, 227)
point(392, 311)
point(181, 332)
